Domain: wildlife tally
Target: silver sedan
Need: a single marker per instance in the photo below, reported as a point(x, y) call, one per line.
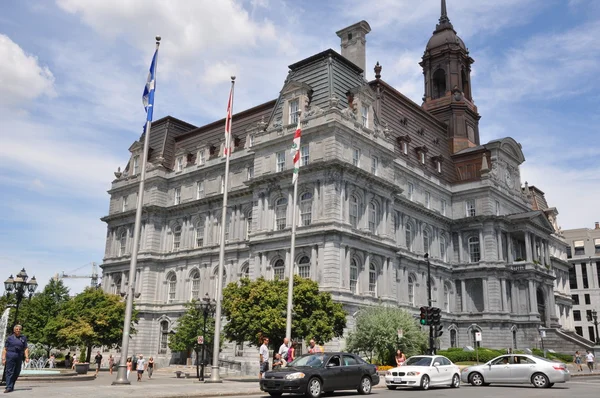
point(517, 369)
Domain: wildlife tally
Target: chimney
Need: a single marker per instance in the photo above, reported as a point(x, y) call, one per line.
point(354, 43)
point(597, 225)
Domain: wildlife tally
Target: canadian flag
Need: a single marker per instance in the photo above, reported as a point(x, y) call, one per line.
point(296, 150)
point(227, 149)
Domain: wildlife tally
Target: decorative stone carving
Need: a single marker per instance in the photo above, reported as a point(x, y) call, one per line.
point(457, 94)
point(262, 125)
point(333, 101)
point(314, 111)
point(278, 123)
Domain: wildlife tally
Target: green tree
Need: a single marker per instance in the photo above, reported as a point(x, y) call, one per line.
point(40, 310)
point(91, 319)
point(376, 334)
point(190, 326)
point(258, 308)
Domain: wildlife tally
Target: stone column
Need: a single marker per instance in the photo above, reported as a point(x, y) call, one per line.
point(463, 295)
point(504, 296)
point(313, 263)
point(532, 298)
point(316, 203)
point(481, 245)
point(342, 263)
point(511, 256)
point(364, 275)
point(499, 243)
point(516, 297)
point(461, 255)
point(344, 206)
point(486, 298)
point(528, 257)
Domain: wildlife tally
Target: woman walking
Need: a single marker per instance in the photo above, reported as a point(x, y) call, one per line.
point(129, 365)
point(292, 352)
point(15, 348)
point(150, 367)
point(400, 358)
point(111, 363)
point(577, 361)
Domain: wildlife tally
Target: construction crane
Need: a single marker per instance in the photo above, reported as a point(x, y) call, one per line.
point(93, 276)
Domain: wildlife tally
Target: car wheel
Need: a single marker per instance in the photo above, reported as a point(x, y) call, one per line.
point(391, 387)
point(476, 379)
point(539, 380)
point(455, 382)
point(314, 388)
point(365, 386)
point(425, 382)
point(275, 394)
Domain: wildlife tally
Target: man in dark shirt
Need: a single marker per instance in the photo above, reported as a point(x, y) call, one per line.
point(15, 350)
point(98, 359)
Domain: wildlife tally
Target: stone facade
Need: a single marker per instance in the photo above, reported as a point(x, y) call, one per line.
point(382, 183)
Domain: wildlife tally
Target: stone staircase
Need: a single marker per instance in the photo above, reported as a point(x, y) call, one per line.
point(566, 342)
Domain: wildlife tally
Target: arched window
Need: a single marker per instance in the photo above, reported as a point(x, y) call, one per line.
point(164, 337)
point(353, 275)
point(409, 236)
point(373, 216)
point(223, 282)
point(411, 290)
point(117, 283)
point(354, 211)
point(123, 243)
point(195, 277)
point(443, 248)
point(248, 223)
point(453, 342)
point(278, 270)
point(446, 298)
point(304, 267)
point(176, 237)
point(306, 208)
point(171, 287)
point(465, 85)
point(426, 241)
point(199, 231)
point(474, 249)
point(438, 84)
point(280, 213)
point(245, 271)
point(373, 279)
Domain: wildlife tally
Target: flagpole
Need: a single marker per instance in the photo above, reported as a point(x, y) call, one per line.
point(214, 374)
point(288, 320)
point(122, 370)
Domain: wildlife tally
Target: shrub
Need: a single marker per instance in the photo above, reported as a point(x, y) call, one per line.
point(459, 355)
point(383, 368)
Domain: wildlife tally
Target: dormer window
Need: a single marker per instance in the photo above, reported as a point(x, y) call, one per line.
point(364, 112)
point(136, 165)
point(422, 157)
point(177, 196)
point(437, 160)
point(403, 142)
point(421, 154)
point(405, 147)
point(179, 163)
point(201, 157)
point(250, 140)
point(294, 107)
point(124, 202)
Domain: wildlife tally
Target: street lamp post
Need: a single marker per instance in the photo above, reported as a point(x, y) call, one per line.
point(208, 307)
point(20, 287)
point(429, 302)
point(593, 318)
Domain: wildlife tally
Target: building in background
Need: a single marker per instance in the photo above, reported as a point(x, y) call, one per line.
point(383, 181)
point(583, 254)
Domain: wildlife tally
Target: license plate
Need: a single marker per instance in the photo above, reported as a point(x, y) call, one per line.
point(397, 380)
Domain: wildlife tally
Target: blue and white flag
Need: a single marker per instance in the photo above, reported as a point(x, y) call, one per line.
point(148, 97)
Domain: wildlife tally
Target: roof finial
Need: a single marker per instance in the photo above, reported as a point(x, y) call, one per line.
point(444, 16)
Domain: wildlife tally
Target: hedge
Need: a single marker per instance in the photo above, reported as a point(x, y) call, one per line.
point(487, 354)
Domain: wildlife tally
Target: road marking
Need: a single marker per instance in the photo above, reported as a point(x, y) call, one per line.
point(583, 382)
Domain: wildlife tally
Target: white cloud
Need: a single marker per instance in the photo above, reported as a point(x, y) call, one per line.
point(22, 78)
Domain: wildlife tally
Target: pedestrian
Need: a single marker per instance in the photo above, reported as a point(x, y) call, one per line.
point(278, 362)
point(577, 361)
point(400, 358)
point(313, 348)
point(15, 350)
point(111, 363)
point(263, 352)
point(129, 364)
point(589, 357)
point(150, 367)
point(98, 360)
point(141, 366)
point(284, 348)
point(75, 362)
point(52, 361)
point(68, 360)
point(292, 352)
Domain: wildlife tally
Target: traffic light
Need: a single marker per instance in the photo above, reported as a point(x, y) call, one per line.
point(436, 316)
point(437, 331)
point(424, 311)
point(430, 315)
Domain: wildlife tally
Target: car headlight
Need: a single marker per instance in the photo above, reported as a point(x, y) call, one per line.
point(295, 376)
point(413, 373)
point(388, 373)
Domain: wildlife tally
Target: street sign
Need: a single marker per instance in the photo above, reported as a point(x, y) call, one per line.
point(543, 334)
point(400, 333)
point(200, 339)
point(477, 336)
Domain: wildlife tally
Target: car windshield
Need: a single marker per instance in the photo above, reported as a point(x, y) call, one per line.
point(418, 361)
point(310, 360)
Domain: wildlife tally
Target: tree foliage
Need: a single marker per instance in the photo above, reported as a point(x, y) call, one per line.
point(376, 334)
point(40, 310)
point(190, 326)
point(92, 318)
point(258, 308)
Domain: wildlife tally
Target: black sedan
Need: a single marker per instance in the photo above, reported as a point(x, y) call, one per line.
point(314, 374)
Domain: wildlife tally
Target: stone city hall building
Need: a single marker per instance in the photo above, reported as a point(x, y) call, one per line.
point(383, 181)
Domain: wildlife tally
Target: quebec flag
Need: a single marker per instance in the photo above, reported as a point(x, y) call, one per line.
point(148, 97)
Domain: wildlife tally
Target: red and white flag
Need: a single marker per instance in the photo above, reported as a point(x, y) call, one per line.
point(227, 149)
point(296, 151)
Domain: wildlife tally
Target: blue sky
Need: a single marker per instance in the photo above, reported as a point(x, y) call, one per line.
point(73, 71)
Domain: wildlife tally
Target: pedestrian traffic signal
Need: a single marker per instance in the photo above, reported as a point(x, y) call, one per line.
point(436, 316)
point(437, 331)
point(430, 315)
point(423, 320)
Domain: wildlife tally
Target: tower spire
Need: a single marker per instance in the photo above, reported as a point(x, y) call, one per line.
point(444, 20)
point(444, 12)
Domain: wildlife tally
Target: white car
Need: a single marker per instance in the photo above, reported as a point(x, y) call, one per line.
point(424, 371)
